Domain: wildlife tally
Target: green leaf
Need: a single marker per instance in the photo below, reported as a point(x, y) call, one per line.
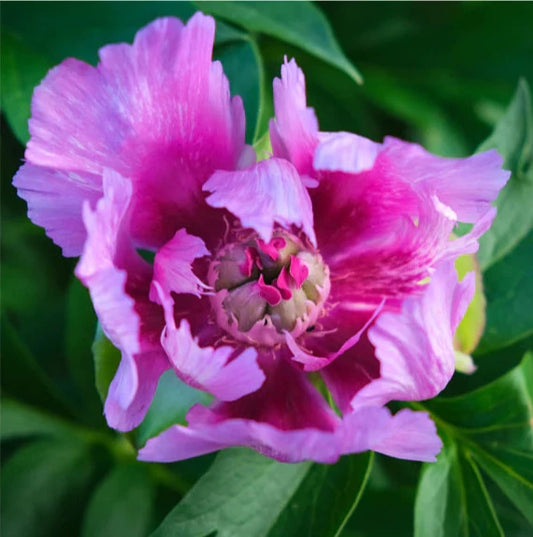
point(121, 505)
point(488, 432)
point(247, 495)
point(43, 489)
point(80, 323)
point(439, 496)
point(21, 70)
point(509, 292)
point(513, 138)
point(299, 23)
point(438, 132)
point(22, 377)
point(19, 421)
point(172, 400)
point(106, 360)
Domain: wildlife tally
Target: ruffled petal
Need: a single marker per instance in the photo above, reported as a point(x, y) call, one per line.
point(269, 192)
point(55, 200)
point(221, 371)
point(118, 281)
point(173, 266)
point(415, 346)
point(395, 208)
point(467, 185)
point(270, 432)
point(159, 112)
point(287, 419)
point(405, 435)
point(294, 132)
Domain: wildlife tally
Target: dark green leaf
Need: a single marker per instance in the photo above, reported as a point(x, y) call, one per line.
point(246, 494)
point(79, 330)
point(513, 138)
point(172, 400)
point(513, 472)
point(508, 285)
point(121, 505)
point(298, 23)
point(326, 499)
point(22, 376)
point(439, 133)
point(22, 69)
point(106, 360)
point(19, 420)
point(490, 429)
point(43, 488)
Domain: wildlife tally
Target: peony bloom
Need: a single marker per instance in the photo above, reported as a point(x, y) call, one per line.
point(304, 292)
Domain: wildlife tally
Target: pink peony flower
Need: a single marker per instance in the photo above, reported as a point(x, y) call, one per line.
point(303, 292)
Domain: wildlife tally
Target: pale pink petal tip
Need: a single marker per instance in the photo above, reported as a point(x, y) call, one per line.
point(294, 132)
point(55, 199)
point(406, 435)
point(345, 152)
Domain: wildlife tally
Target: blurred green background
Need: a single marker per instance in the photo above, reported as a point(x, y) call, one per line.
point(441, 74)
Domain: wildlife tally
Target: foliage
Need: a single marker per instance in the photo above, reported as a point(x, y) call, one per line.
point(442, 75)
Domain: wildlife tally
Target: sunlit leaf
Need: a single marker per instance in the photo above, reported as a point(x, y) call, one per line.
point(106, 360)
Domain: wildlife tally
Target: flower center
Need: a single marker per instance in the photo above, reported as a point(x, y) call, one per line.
point(265, 289)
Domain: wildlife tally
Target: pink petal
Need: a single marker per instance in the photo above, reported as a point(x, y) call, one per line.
point(173, 266)
point(118, 283)
point(158, 111)
point(298, 271)
point(270, 293)
point(395, 208)
point(219, 371)
point(345, 152)
point(351, 372)
point(406, 435)
point(55, 200)
point(252, 424)
point(415, 346)
point(294, 132)
point(287, 424)
point(314, 362)
point(268, 193)
point(467, 185)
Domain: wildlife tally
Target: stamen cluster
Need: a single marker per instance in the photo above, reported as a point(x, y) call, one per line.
point(263, 290)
